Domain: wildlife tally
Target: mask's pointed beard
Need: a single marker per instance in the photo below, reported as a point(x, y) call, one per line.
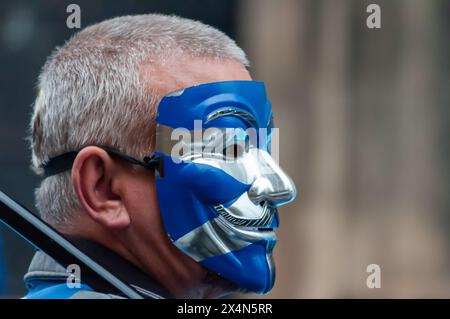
point(267, 214)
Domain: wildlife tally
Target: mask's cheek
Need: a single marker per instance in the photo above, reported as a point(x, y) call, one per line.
point(210, 185)
point(187, 193)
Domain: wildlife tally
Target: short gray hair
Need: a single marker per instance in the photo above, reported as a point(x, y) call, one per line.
point(90, 92)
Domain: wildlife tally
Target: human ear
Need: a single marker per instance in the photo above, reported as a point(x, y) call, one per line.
point(94, 174)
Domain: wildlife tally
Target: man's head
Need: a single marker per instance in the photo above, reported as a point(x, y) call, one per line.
point(102, 88)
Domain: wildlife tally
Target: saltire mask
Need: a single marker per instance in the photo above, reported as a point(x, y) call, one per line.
point(218, 186)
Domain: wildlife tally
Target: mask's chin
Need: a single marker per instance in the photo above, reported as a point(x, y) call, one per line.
point(250, 267)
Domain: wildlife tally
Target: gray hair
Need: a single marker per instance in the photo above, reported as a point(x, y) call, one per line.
point(90, 92)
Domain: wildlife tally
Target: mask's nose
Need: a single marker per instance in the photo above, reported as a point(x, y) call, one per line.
point(272, 185)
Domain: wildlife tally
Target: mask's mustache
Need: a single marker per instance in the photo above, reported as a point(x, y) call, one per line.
point(267, 214)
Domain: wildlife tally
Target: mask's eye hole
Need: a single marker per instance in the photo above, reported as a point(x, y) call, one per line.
point(234, 151)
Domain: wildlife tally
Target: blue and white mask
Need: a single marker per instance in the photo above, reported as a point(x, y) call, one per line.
point(221, 212)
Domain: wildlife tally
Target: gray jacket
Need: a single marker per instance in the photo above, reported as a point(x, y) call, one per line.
point(46, 279)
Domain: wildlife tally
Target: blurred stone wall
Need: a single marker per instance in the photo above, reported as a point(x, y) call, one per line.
point(360, 115)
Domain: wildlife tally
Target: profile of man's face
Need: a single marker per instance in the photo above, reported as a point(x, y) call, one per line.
point(208, 216)
point(247, 189)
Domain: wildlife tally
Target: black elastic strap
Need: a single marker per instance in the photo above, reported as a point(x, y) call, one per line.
point(64, 162)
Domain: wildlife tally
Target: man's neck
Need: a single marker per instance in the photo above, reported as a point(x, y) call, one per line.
point(165, 264)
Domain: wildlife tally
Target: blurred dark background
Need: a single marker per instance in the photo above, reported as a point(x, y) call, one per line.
point(364, 121)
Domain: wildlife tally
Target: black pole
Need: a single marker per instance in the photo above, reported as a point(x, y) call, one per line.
point(47, 239)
